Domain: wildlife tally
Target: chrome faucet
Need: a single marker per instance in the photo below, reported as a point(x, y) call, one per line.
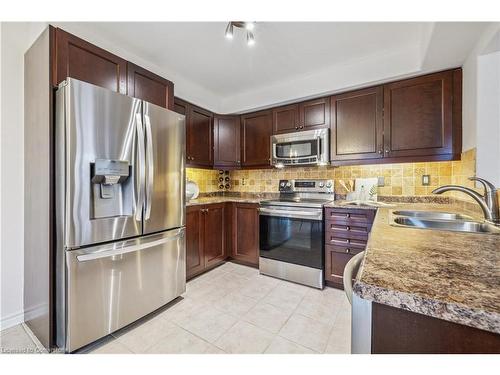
point(488, 201)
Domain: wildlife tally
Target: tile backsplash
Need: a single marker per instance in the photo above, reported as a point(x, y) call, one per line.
point(399, 179)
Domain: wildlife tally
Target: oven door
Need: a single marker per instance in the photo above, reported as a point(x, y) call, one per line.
point(292, 235)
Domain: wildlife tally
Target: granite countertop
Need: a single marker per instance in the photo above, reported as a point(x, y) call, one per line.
point(452, 276)
point(223, 199)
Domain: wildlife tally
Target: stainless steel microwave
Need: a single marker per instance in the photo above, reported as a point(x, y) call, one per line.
point(310, 147)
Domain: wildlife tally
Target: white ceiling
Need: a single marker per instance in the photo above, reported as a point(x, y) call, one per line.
point(290, 60)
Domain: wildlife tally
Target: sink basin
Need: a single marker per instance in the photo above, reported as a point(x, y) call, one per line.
point(433, 215)
point(453, 225)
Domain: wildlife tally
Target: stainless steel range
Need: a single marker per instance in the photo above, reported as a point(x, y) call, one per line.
point(292, 232)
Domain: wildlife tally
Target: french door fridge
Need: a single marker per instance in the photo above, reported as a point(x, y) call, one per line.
point(120, 248)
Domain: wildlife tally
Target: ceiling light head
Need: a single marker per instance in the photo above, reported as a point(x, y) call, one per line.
point(229, 31)
point(250, 26)
point(250, 38)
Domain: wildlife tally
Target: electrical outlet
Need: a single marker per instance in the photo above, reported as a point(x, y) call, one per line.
point(381, 181)
point(426, 179)
point(243, 182)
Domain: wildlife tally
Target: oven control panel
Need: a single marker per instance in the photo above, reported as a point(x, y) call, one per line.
point(304, 186)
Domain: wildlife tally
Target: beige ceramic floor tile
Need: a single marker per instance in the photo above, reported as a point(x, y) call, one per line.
point(235, 303)
point(244, 338)
point(281, 345)
point(141, 337)
point(15, 340)
point(340, 338)
point(284, 298)
point(180, 341)
point(245, 271)
point(113, 347)
point(209, 323)
point(306, 332)
point(267, 316)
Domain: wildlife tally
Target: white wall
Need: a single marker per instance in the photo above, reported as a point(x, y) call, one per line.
point(15, 40)
point(480, 104)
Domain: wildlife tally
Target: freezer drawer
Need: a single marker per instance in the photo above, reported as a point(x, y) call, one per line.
point(110, 286)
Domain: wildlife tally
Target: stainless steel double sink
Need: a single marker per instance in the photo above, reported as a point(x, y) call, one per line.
point(436, 220)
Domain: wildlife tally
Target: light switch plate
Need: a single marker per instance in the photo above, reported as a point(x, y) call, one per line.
point(426, 179)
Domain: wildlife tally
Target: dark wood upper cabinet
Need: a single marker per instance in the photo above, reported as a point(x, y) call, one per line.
point(286, 119)
point(357, 125)
point(199, 133)
point(314, 114)
point(214, 234)
point(150, 87)
point(76, 58)
point(256, 131)
point(245, 229)
point(199, 137)
point(418, 116)
point(227, 153)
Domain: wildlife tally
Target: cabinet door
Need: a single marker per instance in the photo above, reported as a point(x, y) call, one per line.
point(286, 119)
point(181, 107)
point(314, 114)
point(357, 125)
point(195, 260)
point(246, 233)
point(150, 87)
point(227, 151)
point(214, 248)
point(418, 116)
point(199, 137)
point(256, 132)
point(82, 60)
point(335, 262)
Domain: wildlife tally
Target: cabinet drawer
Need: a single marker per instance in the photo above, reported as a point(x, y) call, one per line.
point(349, 216)
point(348, 231)
point(332, 239)
point(352, 250)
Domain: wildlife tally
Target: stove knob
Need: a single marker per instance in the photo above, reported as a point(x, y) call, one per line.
point(329, 184)
point(282, 184)
point(288, 184)
point(321, 184)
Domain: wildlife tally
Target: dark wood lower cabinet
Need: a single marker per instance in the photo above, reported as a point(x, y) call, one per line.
point(398, 331)
point(205, 238)
point(245, 228)
point(346, 234)
point(218, 231)
point(215, 228)
point(195, 262)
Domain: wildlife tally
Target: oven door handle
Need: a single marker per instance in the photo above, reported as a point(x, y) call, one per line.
point(313, 215)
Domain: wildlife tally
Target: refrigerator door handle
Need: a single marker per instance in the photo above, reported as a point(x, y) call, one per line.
point(150, 166)
point(106, 253)
point(140, 167)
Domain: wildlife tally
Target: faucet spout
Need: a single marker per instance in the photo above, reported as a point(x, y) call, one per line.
point(488, 214)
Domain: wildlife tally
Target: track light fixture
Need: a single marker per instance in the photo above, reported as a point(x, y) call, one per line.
point(248, 26)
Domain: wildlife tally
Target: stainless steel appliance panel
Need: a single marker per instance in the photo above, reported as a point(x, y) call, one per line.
point(165, 170)
point(110, 286)
point(311, 147)
point(98, 124)
point(292, 272)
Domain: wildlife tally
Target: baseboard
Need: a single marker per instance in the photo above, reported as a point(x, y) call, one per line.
point(11, 320)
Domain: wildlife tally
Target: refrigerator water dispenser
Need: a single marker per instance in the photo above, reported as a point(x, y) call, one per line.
point(110, 184)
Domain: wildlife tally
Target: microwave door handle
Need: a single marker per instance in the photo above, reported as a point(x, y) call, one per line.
point(149, 167)
point(139, 167)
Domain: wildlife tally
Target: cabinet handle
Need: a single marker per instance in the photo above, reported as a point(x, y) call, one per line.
point(296, 128)
point(347, 251)
point(301, 126)
point(387, 151)
point(380, 151)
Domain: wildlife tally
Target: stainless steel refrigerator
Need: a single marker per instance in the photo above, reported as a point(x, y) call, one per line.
point(120, 216)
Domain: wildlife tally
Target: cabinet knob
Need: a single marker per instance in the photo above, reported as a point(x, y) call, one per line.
point(380, 151)
point(347, 251)
point(387, 151)
point(296, 128)
point(301, 127)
